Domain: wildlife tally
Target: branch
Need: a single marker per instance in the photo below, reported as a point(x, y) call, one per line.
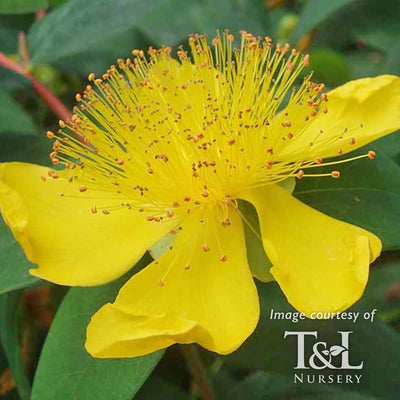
point(42, 90)
point(198, 371)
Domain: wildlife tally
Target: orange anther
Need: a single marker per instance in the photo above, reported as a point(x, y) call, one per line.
point(318, 160)
point(94, 209)
point(352, 140)
point(223, 258)
point(300, 174)
point(335, 174)
point(205, 248)
point(226, 222)
point(50, 135)
point(82, 189)
point(170, 213)
point(371, 155)
point(160, 283)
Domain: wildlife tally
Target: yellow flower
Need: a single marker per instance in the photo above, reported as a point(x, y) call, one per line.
point(158, 145)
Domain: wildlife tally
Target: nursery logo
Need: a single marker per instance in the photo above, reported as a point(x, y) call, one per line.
point(322, 356)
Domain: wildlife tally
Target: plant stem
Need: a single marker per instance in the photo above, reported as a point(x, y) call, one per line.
point(198, 371)
point(42, 90)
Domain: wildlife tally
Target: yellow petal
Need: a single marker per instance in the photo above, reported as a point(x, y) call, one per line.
point(320, 263)
point(365, 110)
point(213, 303)
point(70, 244)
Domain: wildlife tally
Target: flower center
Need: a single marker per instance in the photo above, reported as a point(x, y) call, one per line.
point(167, 136)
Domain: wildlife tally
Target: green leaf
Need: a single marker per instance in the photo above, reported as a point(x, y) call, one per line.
point(21, 6)
point(389, 146)
point(359, 21)
point(74, 26)
point(173, 22)
point(154, 386)
point(14, 266)
point(258, 260)
point(13, 117)
point(99, 59)
point(11, 80)
point(66, 371)
point(26, 148)
point(367, 194)
point(267, 386)
point(315, 12)
point(9, 333)
point(330, 67)
point(383, 289)
point(392, 65)
point(10, 26)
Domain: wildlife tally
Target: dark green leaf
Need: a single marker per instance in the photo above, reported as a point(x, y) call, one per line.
point(389, 146)
point(9, 333)
point(66, 371)
point(330, 67)
point(21, 6)
point(392, 65)
point(258, 260)
point(27, 148)
point(384, 291)
point(204, 16)
point(74, 26)
point(358, 22)
point(315, 12)
point(14, 266)
point(158, 388)
point(99, 59)
point(11, 80)
point(13, 117)
point(10, 26)
point(367, 195)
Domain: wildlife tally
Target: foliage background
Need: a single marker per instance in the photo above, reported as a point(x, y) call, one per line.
point(64, 40)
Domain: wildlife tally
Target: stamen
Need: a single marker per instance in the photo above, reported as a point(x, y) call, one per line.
point(168, 138)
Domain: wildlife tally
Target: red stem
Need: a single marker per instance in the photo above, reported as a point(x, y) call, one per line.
point(42, 90)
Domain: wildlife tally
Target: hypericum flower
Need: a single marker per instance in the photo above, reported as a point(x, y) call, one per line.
point(159, 145)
